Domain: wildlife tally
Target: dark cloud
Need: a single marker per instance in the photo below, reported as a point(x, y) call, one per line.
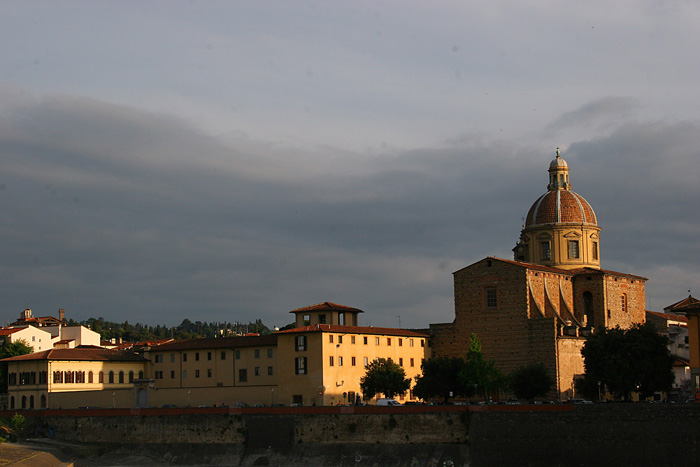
point(112, 212)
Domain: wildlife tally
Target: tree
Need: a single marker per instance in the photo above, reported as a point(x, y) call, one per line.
point(11, 350)
point(440, 378)
point(530, 381)
point(385, 377)
point(627, 360)
point(479, 375)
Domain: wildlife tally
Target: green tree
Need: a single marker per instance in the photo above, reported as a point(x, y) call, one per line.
point(440, 379)
point(481, 376)
point(627, 360)
point(530, 381)
point(385, 377)
point(11, 350)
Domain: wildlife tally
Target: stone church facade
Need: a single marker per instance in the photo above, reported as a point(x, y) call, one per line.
point(541, 305)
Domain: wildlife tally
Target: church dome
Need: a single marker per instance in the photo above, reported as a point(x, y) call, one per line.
point(560, 207)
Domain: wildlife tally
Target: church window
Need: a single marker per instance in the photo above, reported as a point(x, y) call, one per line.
point(573, 249)
point(491, 297)
point(545, 251)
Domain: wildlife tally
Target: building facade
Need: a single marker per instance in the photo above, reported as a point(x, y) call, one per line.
point(540, 306)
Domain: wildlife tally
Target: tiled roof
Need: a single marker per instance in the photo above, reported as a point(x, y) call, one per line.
point(669, 316)
point(218, 343)
point(327, 306)
point(686, 301)
point(353, 330)
point(77, 354)
point(560, 207)
point(8, 331)
point(582, 271)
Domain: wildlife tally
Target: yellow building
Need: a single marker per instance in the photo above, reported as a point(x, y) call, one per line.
point(220, 371)
point(77, 377)
point(321, 361)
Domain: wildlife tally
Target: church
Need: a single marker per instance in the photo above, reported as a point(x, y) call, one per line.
point(541, 305)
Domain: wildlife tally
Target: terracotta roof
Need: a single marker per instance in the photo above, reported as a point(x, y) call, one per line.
point(560, 207)
point(353, 330)
point(686, 301)
point(218, 343)
point(669, 316)
point(582, 271)
point(8, 331)
point(327, 306)
point(79, 353)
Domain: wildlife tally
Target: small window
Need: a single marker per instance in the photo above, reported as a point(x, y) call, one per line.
point(623, 300)
point(257, 371)
point(573, 249)
point(269, 353)
point(269, 371)
point(321, 319)
point(491, 297)
point(400, 342)
point(184, 374)
point(412, 362)
point(257, 353)
point(301, 343)
point(238, 354)
point(410, 342)
point(330, 360)
point(400, 361)
point(184, 357)
point(388, 341)
point(196, 356)
point(341, 318)
point(172, 374)
point(330, 338)
point(172, 358)
point(340, 339)
point(366, 362)
point(365, 340)
point(242, 375)
point(545, 251)
point(376, 341)
point(209, 373)
point(208, 355)
point(300, 365)
point(352, 339)
point(595, 250)
point(111, 377)
point(223, 355)
point(352, 361)
point(340, 361)
point(307, 320)
point(196, 373)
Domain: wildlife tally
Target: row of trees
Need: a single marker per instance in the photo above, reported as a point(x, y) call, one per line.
point(447, 377)
point(618, 361)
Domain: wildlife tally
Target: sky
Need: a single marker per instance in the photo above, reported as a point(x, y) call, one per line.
point(227, 161)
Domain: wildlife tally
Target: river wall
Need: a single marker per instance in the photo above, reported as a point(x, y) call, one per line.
point(595, 434)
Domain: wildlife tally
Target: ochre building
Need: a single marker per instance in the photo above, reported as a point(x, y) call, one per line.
point(541, 305)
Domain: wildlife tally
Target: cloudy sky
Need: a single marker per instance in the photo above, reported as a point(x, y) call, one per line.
point(234, 160)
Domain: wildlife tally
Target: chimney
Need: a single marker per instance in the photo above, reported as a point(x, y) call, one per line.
point(61, 314)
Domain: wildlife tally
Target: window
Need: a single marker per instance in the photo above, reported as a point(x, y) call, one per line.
point(340, 339)
point(376, 341)
point(121, 377)
point(400, 342)
point(422, 343)
point(172, 358)
point(595, 250)
point(196, 356)
point(184, 357)
point(223, 355)
point(352, 361)
point(491, 297)
point(208, 355)
point(90, 377)
point(209, 373)
point(159, 358)
point(388, 341)
point(330, 360)
point(352, 339)
point(131, 376)
point(340, 361)
point(573, 248)
point(545, 251)
point(184, 374)
point(238, 354)
point(400, 361)
point(307, 320)
point(301, 343)
point(58, 377)
point(366, 362)
point(341, 318)
point(242, 375)
point(257, 353)
point(172, 374)
point(158, 374)
point(300, 365)
point(321, 319)
point(365, 340)
point(269, 353)
point(257, 371)
point(330, 338)
point(196, 373)
point(269, 371)
point(111, 377)
point(623, 300)
point(101, 377)
point(412, 362)
point(410, 342)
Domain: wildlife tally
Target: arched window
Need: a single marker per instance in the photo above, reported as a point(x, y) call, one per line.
point(90, 377)
point(111, 377)
point(24, 402)
point(121, 377)
point(101, 377)
point(131, 376)
point(12, 402)
point(31, 402)
point(140, 374)
point(43, 401)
